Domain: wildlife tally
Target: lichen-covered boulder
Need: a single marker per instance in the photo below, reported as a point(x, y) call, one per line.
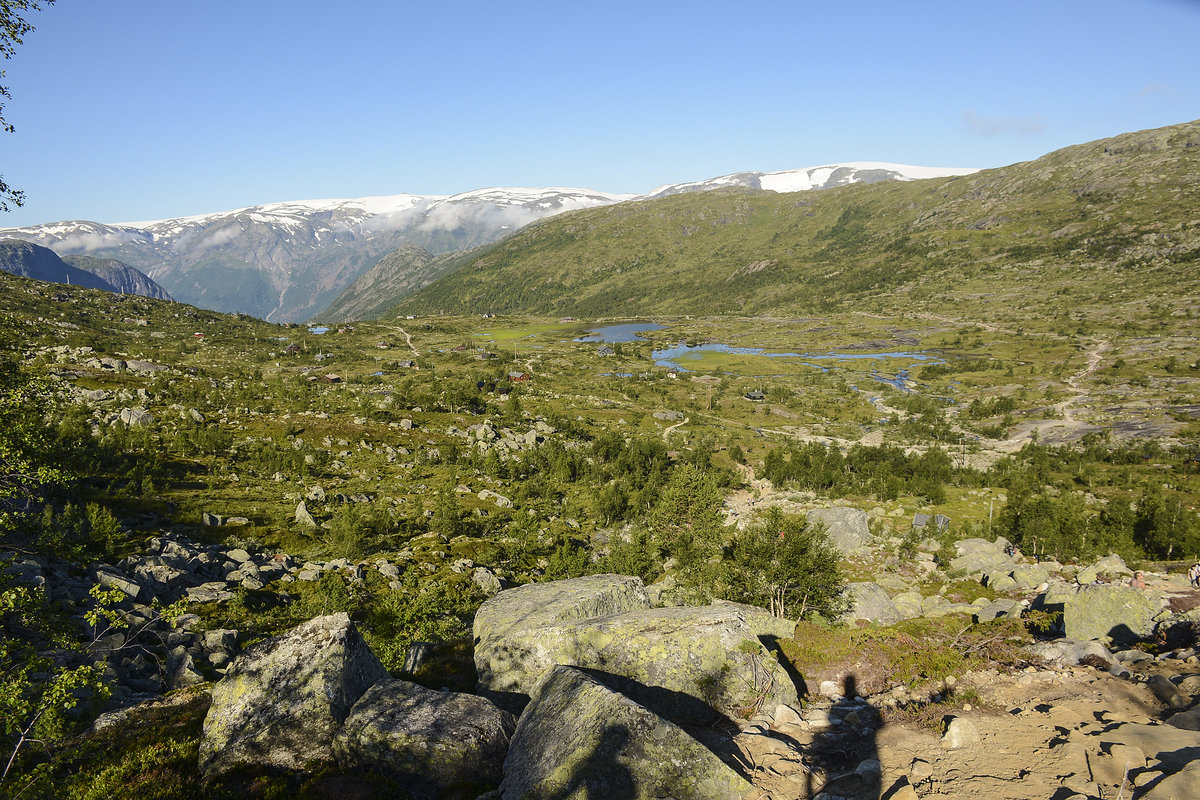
point(433, 741)
point(1030, 576)
point(1068, 652)
point(687, 664)
point(282, 700)
point(868, 601)
point(1120, 613)
point(537, 604)
point(579, 740)
point(1111, 565)
point(846, 528)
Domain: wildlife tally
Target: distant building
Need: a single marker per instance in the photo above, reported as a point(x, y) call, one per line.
point(755, 396)
point(605, 350)
point(518, 377)
point(291, 350)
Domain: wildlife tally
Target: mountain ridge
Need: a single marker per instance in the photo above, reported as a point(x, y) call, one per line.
point(1120, 205)
point(286, 261)
point(29, 260)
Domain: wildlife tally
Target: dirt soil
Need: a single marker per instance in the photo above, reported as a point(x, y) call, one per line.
point(1043, 733)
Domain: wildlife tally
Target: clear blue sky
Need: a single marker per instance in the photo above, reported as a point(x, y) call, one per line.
point(133, 109)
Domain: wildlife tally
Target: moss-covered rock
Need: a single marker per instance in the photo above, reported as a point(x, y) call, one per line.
point(282, 701)
point(1120, 613)
point(433, 741)
point(869, 601)
point(578, 739)
point(684, 663)
point(538, 604)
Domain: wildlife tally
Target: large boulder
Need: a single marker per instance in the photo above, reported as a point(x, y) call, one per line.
point(978, 555)
point(1109, 566)
point(282, 700)
point(869, 601)
point(433, 741)
point(1069, 652)
point(846, 527)
point(687, 664)
point(1120, 613)
point(537, 604)
point(579, 740)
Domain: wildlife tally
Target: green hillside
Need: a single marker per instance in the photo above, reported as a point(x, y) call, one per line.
point(1091, 221)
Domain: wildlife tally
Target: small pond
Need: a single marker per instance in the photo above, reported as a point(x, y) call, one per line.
point(626, 332)
point(673, 358)
point(319, 330)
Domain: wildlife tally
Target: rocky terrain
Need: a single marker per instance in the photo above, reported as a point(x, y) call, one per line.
point(587, 686)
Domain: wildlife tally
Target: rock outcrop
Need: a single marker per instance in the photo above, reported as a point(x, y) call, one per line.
point(578, 739)
point(1120, 613)
point(869, 601)
point(433, 741)
point(846, 527)
point(283, 700)
point(685, 663)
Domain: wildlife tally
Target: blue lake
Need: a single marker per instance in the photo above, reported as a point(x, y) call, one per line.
point(319, 329)
point(627, 332)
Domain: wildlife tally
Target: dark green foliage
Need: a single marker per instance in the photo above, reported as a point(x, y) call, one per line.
point(1047, 511)
point(884, 471)
point(780, 563)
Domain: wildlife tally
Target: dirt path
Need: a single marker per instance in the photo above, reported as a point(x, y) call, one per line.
point(1068, 428)
point(667, 431)
point(407, 338)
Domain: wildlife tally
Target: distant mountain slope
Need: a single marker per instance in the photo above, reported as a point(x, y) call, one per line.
point(288, 261)
point(401, 275)
point(121, 277)
point(40, 263)
point(1118, 214)
point(398, 274)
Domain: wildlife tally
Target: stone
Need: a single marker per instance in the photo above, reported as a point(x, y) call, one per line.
point(136, 417)
point(540, 604)
point(1186, 720)
point(959, 733)
point(1119, 613)
point(1001, 607)
point(221, 639)
point(1030, 576)
point(1172, 747)
point(847, 528)
point(283, 699)
point(979, 561)
point(1069, 652)
point(687, 664)
point(110, 580)
point(870, 602)
point(432, 741)
point(1109, 565)
point(1180, 786)
point(303, 517)
point(486, 580)
point(909, 604)
point(579, 740)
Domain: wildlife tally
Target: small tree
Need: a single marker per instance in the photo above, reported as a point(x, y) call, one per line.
point(785, 565)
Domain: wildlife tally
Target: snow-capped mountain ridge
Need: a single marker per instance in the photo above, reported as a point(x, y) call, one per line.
point(287, 260)
point(826, 176)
